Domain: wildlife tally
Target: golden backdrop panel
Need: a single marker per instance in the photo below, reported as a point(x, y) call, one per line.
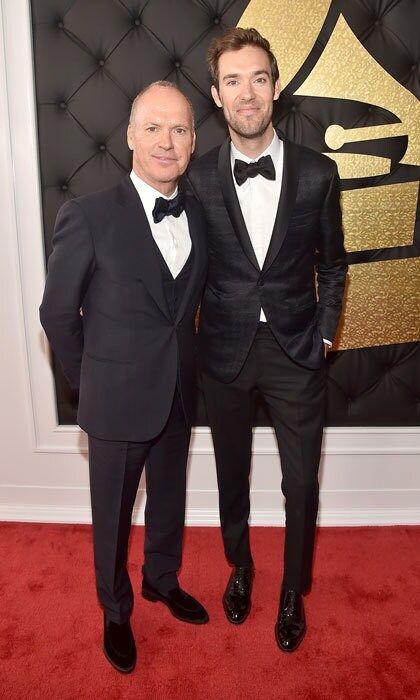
point(290, 27)
point(382, 300)
point(382, 304)
point(372, 220)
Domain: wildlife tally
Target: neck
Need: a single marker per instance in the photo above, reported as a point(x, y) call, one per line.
point(165, 188)
point(255, 146)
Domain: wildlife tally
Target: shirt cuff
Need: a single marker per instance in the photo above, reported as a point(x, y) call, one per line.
point(327, 342)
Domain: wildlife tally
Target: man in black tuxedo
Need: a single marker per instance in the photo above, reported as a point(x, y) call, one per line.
point(270, 310)
point(132, 260)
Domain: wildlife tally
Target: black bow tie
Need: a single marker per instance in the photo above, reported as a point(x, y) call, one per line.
point(168, 207)
point(264, 166)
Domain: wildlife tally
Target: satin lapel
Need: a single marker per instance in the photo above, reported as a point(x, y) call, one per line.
point(232, 203)
point(139, 239)
point(286, 202)
point(194, 225)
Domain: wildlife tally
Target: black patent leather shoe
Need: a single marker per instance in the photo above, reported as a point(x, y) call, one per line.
point(237, 596)
point(182, 605)
point(290, 627)
point(119, 645)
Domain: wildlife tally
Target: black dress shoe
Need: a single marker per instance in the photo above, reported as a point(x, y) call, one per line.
point(290, 627)
point(182, 605)
point(237, 596)
point(119, 645)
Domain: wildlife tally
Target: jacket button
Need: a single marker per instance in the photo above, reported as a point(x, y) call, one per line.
point(261, 282)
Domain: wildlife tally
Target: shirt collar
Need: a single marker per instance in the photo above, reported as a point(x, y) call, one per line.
point(273, 150)
point(148, 194)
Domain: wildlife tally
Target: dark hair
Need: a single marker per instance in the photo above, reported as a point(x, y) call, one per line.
point(234, 39)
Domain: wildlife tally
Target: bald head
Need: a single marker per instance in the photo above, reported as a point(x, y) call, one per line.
point(158, 87)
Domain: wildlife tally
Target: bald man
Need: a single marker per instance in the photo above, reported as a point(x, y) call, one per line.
point(132, 259)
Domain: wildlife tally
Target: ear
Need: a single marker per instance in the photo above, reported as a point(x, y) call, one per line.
point(130, 137)
point(215, 95)
point(276, 90)
point(193, 142)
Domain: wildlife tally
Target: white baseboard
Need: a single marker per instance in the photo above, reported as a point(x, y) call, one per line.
point(200, 517)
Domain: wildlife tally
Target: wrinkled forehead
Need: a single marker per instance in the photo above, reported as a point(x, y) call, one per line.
point(163, 106)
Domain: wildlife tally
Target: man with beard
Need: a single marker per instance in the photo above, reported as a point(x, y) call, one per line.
point(269, 313)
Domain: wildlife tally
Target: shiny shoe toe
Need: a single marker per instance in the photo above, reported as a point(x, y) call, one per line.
point(237, 596)
point(119, 645)
point(290, 627)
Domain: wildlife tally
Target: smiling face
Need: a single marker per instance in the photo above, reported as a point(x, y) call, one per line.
point(162, 138)
point(246, 92)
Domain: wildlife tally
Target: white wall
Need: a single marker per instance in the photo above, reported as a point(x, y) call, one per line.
point(368, 476)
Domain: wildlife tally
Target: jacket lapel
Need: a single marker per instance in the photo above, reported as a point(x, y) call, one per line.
point(286, 202)
point(195, 224)
point(141, 246)
point(232, 204)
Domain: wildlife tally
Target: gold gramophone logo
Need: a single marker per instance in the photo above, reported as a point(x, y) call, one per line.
point(383, 298)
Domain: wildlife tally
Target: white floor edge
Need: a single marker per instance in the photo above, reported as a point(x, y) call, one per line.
point(210, 517)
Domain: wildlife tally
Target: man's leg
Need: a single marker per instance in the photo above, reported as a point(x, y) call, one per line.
point(165, 507)
point(164, 519)
point(115, 469)
point(230, 413)
point(295, 398)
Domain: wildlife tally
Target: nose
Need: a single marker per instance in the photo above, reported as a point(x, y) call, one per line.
point(248, 92)
point(165, 140)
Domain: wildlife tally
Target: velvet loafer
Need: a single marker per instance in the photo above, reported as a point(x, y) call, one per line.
point(182, 605)
point(119, 645)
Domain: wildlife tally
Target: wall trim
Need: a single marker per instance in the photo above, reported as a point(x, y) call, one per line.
point(337, 441)
point(200, 517)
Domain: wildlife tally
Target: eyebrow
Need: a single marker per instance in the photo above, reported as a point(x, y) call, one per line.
point(173, 126)
point(254, 74)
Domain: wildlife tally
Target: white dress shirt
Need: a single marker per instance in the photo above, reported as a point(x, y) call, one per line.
point(259, 199)
point(171, 235)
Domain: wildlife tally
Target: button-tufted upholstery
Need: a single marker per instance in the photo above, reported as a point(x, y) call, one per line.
point(91, 59)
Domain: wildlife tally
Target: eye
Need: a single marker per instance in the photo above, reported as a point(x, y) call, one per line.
point(180, 130)
point(261, 79)
point(232, 81)
point(151, 129)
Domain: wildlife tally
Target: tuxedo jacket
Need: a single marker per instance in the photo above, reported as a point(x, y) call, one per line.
point(307, 238)
point(106, 314)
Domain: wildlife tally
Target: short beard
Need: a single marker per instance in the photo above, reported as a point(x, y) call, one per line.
point(250, 131)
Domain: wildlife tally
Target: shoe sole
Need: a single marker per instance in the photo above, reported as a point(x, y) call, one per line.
point(288, 651)
point(121, 669)
point(234, 622)
point(152, 598)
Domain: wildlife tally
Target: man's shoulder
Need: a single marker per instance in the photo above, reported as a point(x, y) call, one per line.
point(205, 163)
point(311, 160)
point(100, 198)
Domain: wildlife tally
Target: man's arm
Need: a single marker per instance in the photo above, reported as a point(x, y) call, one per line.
point(331, 266)
point(70, 268)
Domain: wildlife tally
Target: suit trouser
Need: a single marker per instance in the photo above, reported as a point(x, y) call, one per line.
point(294, 397)
point(115, 469)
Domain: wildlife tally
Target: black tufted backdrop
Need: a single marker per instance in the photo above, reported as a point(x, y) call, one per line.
point(93, 56)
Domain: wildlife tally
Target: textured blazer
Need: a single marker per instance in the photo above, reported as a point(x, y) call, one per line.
point(306, 243)
point(107, 318)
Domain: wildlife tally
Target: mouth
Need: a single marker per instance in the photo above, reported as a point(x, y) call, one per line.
point(165, 160)
point(248, 111)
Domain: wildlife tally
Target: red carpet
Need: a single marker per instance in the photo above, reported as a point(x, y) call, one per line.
point(363, 637)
